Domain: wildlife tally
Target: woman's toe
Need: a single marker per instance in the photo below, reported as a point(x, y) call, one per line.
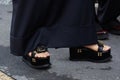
point(106, 48)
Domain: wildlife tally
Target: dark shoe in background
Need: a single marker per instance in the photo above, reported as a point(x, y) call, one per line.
point(101, 34)
point(112, 27)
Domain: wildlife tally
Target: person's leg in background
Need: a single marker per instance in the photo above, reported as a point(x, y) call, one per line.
point(101, 34)
point(107, 14)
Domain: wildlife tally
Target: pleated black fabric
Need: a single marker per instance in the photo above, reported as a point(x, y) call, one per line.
point(53, 23)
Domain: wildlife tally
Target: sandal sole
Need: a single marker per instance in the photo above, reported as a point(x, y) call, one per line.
point(37, 67)
point(91, 60)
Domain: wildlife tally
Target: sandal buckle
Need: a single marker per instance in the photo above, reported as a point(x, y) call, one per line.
point(79, 50)
point(33, 60)
point(100, 54)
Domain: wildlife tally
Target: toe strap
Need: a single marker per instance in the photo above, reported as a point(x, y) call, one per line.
point(33, 54)
point(100, 46)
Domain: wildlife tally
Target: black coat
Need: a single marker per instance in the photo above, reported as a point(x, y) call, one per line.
point(53, 23)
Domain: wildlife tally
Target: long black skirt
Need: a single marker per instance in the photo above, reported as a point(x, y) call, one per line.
point(53, 23)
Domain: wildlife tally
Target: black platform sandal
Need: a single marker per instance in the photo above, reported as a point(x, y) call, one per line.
point(85, 54)
point(38, 63)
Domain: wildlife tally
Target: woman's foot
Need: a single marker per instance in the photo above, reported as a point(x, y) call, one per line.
point(95, 47)
point(39, 58)
point(40, 55)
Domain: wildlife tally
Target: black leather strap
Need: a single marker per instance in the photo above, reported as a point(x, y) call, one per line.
point(100, 46)
point(33, 54)
point(41, 49)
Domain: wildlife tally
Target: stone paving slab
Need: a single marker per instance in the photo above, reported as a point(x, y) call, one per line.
point(3, 76)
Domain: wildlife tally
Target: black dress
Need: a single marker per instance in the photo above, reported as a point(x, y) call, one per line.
point(53, 23)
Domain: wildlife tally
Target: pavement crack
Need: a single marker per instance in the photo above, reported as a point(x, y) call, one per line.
point(106, 68)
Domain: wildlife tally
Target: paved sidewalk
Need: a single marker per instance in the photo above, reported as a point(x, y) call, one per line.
point(62, 68)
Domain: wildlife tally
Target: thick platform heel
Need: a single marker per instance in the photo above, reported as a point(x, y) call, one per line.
point(85, 54)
